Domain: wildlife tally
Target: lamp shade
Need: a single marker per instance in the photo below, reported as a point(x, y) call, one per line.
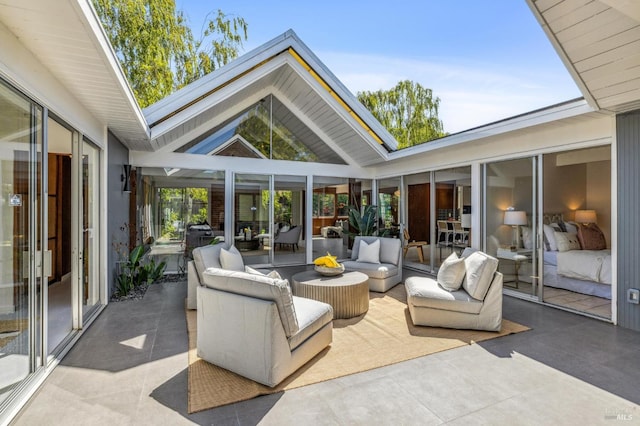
point(585, 216)
point(515, 217)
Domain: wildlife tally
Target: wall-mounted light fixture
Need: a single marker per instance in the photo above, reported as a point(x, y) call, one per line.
point(125, 177)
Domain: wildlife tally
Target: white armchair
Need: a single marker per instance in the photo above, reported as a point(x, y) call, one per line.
point(252, 325)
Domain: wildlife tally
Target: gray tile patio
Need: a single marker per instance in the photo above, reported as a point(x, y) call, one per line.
point(130, 367)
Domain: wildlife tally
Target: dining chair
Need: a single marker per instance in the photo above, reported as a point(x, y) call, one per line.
point(443, 229)
point(459, 233)
point(409, 244)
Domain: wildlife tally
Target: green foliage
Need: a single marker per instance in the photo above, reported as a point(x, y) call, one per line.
point(134, 272)
point(365, 222)
point(408, 111)
point(158, 51)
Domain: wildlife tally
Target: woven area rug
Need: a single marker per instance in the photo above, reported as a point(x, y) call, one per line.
point(383, 336)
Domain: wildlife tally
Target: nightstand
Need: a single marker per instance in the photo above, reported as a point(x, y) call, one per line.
point(517, 257)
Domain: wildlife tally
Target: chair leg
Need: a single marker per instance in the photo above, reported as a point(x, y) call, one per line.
point(420, 254)
point(404, 251)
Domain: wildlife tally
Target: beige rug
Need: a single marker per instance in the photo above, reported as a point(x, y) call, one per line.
point(383, 336)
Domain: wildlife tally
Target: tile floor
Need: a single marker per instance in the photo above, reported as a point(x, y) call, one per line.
point(130, 368)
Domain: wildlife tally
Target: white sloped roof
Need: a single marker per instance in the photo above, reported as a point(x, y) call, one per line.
point(287, 69)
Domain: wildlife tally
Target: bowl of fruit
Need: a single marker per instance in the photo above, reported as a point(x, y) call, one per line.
point(328, 265)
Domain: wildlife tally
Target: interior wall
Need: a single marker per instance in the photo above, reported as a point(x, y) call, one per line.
point(599, 195)
point(565, 187)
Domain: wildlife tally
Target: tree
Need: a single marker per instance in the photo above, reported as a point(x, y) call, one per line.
point(409, 111)
point(157, 49)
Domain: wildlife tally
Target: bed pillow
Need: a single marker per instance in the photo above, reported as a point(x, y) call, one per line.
point(549, 238)
point(369, 253)
point(591, 237)
point(571, 227)
point(451, 273)
point(567, 241)
point(231, 259)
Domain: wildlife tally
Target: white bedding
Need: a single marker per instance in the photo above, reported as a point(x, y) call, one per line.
point(590, 265)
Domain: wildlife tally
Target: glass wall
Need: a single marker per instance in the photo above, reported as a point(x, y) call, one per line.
point(60, 231)
point(181, 211)
point(451, 208)
point(389, 207)
point(511, 221)
point(289, 219)
point(438, 216)
point(90, 227)
point(576, 215)
point(333, 199)
point(20, 237)
point(252, 210)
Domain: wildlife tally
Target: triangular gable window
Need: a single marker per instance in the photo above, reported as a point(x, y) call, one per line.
point(267, 129)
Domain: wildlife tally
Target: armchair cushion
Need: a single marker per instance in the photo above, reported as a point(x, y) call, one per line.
point(451, 273)
point(372, 270)
point(426, 293)
point(480, 268)
point(257, 286)
point(311, 316)
point(231, 259)
point(369, 253)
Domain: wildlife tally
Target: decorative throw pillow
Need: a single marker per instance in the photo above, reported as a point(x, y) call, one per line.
point(480, 268)
point(369, 253)
point(549, 238)
point(571, 227)
point(567, 241)
point(285, 228)
point(451, 273)
point(273, 274)
point(591, 237)
point(231, 259)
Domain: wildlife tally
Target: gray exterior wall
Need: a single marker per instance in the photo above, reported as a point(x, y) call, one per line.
point(117, 206)
point(628, 141)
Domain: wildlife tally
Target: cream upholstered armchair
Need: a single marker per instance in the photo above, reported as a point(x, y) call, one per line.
point(252, 325)
point(384, 268)
point(467, 294)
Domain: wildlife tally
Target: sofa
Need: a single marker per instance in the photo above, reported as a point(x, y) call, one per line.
point(467, 294)
point(385, 271)
point(251, 324)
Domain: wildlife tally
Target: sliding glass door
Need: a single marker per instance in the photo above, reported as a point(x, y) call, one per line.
point(90, 227)
point(511, 222)
point(21, 251)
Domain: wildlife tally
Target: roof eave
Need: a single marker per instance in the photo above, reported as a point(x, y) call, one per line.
point(560, 111)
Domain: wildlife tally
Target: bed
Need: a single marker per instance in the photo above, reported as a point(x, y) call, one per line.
point(571, 268)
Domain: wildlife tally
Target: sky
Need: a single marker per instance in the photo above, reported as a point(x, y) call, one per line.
point(485, 60)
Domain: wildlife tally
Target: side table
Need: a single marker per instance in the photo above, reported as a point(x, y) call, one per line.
point(347, 293)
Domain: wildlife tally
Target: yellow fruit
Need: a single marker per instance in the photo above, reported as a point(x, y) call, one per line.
point(328, 261)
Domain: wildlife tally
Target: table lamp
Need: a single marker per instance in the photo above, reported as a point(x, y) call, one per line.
point(585, 216)
point(515, 218)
